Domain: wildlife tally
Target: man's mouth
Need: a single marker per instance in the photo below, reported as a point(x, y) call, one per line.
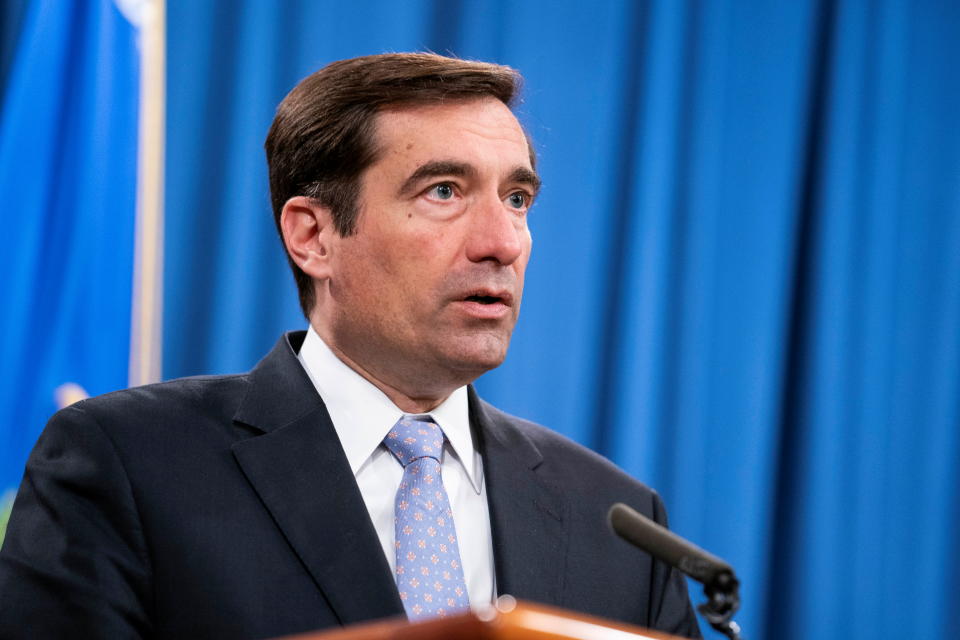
point(487, 296)
point(488, 303)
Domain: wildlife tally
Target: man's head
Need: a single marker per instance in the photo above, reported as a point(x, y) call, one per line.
point(400, 185)
point(323, 135)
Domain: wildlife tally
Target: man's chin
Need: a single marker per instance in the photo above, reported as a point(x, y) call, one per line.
point(476, 356)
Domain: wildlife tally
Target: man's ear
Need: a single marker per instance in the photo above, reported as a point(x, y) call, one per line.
point(307, 229)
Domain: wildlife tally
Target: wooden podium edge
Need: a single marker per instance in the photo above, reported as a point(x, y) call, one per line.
point(507, 619)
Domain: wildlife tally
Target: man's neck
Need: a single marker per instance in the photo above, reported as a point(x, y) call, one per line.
point(405, 401)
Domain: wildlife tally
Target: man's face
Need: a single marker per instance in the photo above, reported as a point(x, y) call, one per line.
point(424, 296)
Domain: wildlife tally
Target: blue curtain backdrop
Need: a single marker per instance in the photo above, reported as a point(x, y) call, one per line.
point(68, 143)
point(745, 284)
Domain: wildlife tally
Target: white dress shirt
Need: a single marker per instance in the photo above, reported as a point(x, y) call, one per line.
point(362, 416)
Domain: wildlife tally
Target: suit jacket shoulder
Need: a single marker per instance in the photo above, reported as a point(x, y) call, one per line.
point(202, 507)
point(567, 456)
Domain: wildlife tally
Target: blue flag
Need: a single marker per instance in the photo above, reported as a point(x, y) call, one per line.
point(68, 167)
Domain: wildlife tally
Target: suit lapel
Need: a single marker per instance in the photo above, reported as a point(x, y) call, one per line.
point(526, 515)
point(298, 468)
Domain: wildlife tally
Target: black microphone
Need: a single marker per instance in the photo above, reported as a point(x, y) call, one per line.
point(667, 546)
point(719, 581)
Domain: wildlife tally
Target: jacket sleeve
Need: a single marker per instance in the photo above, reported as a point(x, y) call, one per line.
point(670, 608)
point(74, 561)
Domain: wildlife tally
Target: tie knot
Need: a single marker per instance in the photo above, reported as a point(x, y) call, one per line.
point(413, 438)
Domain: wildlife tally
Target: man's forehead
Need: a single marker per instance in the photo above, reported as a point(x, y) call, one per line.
point(410, 127)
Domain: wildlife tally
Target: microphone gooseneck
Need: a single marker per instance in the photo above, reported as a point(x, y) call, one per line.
point(717, 577)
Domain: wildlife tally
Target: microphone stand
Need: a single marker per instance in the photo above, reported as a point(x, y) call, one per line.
point(719, 582)
point(723, 600)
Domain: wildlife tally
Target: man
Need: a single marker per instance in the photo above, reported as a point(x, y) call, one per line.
point(283, 500)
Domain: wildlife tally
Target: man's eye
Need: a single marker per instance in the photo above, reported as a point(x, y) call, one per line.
point(442, 191)
point(517, 200)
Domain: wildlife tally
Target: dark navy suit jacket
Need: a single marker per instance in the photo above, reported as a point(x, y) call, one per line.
point(224, 507)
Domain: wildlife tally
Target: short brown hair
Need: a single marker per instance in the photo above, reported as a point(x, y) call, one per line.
point(322, 137)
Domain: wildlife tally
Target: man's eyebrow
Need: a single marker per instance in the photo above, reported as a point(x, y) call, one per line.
point(435, 169)
point(526, 176)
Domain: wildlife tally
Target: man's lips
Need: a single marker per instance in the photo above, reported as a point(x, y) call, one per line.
point(489, 296)
point(486, 303)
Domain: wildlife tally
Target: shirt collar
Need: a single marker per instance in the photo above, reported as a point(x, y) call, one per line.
point(363, 415)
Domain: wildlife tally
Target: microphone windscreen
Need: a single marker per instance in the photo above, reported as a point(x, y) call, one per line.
point(666, 546)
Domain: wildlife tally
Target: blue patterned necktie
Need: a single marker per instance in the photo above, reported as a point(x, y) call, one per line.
point(429, 574)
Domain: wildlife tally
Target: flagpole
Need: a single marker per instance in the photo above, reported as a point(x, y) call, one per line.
point(146, 319)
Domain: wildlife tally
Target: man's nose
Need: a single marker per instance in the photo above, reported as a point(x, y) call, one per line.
point(497, 232)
